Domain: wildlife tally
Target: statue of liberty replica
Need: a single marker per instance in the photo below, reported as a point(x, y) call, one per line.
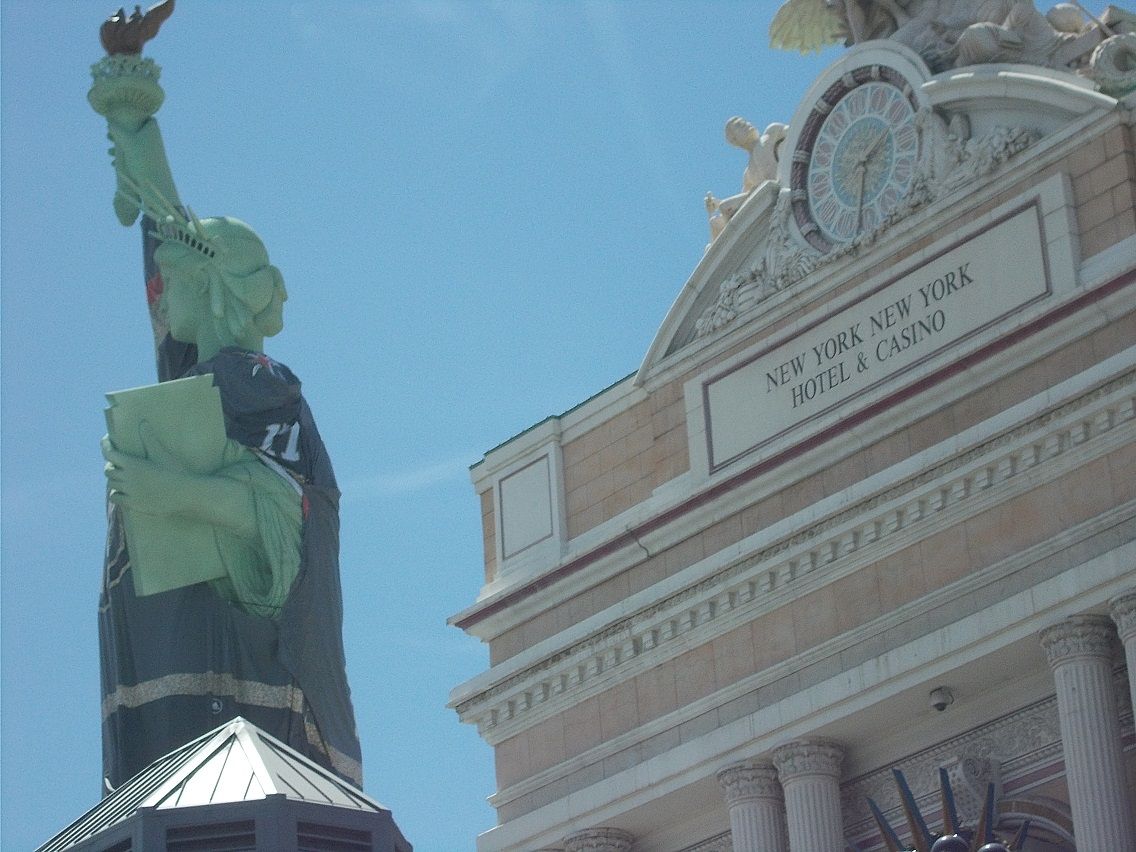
point(220, 593)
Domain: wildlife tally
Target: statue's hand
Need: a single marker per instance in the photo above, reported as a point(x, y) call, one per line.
point(160, 485)
point(122, 34)
point(157, 485)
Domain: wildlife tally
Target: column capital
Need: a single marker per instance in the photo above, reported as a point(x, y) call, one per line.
point(749, 780)
point(599, 840)
point(1078, 636)
point(1123, 611)
point(808, 757)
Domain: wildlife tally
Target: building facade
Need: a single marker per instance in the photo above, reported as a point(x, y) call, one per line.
point(869, 502)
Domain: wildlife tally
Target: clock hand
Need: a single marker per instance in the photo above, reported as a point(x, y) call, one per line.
point(863, 169)
point(875, 145)
point(862, 165)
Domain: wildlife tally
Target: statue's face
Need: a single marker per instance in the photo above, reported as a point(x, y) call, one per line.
point(184, 302)
point(740, 133)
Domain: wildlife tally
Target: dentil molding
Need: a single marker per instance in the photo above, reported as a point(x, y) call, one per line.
point(1012, 462)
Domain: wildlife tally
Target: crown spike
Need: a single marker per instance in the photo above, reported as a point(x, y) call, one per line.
point(171, 210)
point(197, 226)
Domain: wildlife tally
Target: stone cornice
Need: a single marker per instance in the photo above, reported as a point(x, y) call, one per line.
point(1007, 464)
point(678, 509)
point(826, 700)
point(833, 647)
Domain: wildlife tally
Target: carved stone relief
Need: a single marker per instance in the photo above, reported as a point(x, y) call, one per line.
point(1004, 749)
point(950, 160)
point(749, 780)
point(599, 840)
point(951, 33)
point(969, 776)
point(1031, 735)
point(1113, 65)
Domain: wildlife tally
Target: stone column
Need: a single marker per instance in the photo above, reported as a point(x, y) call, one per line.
point(1123, 609)
point(1080, 653)
point(757, 807)
point(810, 775)
point(599, 840)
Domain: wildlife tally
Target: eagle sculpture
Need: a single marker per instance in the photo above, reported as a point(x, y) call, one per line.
point(811, 25)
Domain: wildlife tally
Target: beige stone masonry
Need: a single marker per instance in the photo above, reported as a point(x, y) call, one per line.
point(672, 654)
point(1070, 447)
point(918, 436)
point(617, 464)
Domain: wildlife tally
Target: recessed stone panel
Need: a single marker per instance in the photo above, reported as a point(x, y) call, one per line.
point(526, 507)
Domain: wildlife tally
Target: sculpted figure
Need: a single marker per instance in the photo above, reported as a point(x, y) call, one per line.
point(945, 33)
point(714, 215)
point(265, 640)
point(763, 149)
point(1023, 35)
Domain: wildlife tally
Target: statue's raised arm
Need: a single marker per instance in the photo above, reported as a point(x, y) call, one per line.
point(127, 94)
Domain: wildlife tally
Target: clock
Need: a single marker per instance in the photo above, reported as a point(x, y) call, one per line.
point(856, 156)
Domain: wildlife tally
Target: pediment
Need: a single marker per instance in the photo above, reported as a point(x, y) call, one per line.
point(970, 125)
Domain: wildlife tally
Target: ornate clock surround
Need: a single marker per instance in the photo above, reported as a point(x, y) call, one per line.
point(893, 66)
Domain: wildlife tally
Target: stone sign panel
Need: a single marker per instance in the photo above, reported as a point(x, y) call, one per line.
point(878, 339)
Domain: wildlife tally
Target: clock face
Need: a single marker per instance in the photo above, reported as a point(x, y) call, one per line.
point(857, 157)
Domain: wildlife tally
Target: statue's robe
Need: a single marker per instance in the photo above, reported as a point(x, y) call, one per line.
point(179, 663)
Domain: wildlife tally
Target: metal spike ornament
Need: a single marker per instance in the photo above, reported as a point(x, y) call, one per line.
point(886, 831)
point(950, 812)
point(956, 837)
point(919, 831)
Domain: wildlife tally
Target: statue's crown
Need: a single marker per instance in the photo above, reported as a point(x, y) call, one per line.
point(170, 229)
point(171, 224)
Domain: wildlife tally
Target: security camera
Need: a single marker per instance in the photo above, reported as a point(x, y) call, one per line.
point(941, 697)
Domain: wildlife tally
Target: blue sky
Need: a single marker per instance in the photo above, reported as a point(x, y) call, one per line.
point(482, 212)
